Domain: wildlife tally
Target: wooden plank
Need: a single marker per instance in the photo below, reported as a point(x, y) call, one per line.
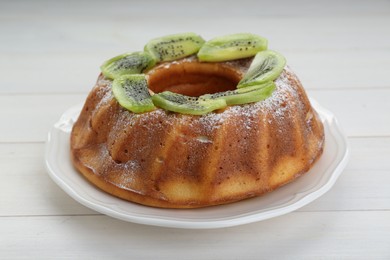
point(176, 8)
point(46, 74)
point(47, 35)
point(299, 235)
point(27, 188)
point(362, 186)
point(29, 117)
point(339, 69)
point(360, 112)
point(63, 55)
point(77, 72)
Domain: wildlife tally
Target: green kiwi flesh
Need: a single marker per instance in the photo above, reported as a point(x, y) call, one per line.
point(266, 66)
point(128, 63)
point(244, 95)
point(185, 104)
point(232, 47)
point(130, 85)
point(132, 93)
point(173, 47)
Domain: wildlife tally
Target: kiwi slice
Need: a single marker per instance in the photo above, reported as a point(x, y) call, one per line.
point(232, 47)
point(132, 93)
point(128, 63)
point(172, 47)
point(243, 95)
point(186, 105)
point(266, 66)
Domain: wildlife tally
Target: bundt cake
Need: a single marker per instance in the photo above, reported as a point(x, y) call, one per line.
point(156, 138)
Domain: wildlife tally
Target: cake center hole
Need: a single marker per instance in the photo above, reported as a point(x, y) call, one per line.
point(193, 78)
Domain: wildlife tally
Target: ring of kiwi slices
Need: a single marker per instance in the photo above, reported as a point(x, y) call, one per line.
point(130, 84)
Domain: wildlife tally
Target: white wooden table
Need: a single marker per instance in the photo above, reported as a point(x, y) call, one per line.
point(50, 52)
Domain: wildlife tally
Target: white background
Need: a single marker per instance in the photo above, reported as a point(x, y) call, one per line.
point(50, 53)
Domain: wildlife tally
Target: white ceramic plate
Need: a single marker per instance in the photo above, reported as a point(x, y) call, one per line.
point(283, 200)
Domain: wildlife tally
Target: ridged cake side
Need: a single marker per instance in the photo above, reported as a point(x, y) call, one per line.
point(173, 160)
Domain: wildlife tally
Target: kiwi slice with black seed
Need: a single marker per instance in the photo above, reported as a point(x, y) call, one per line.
point(266, 66)
point(128, 63)
point(186, 105)
point(243, 95)
point(173, 47)
point(132, 93)
point(232, 47)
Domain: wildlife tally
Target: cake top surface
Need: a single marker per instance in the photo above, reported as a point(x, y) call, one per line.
point(196, 76)
point(279, 104)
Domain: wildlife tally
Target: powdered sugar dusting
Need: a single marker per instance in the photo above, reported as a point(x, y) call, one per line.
point(279, 104)
point(103, 92)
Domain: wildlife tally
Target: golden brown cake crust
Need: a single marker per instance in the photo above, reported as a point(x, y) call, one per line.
point(172, 160)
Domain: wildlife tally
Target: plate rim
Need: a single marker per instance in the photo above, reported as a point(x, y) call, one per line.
point(188, 223)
